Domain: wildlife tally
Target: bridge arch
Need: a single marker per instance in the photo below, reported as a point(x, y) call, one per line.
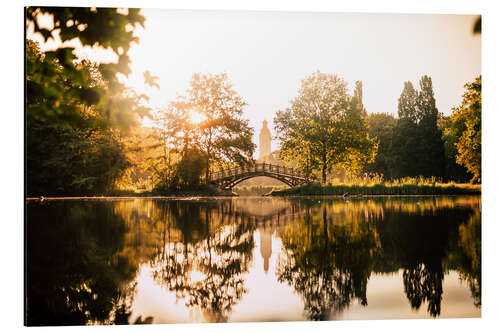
point(242, 179)
point(228, 178)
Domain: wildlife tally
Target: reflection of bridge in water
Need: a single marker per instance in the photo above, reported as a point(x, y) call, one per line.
point(267, 216)
point(228, 178)
point(262, 212)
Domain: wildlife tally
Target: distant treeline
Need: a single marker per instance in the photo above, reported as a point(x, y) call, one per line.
point(326, 133)
point(423, 142)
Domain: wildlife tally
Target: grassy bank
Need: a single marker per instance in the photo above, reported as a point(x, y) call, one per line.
point(386, 188)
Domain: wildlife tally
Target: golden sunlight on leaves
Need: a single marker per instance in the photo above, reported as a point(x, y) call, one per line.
point(151, 80)
point(147, 122)
point(196, 116)
point(122, 11)
point(197, 276)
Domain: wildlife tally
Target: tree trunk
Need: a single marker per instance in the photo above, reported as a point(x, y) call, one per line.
point(207, 171)
point(323, 169)
point(209, 143)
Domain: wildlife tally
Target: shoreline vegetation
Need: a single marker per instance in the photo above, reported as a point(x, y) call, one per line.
point(395, 188)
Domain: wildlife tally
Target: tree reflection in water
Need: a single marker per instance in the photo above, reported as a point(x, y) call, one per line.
point(329, 254)
point(83, 256)
point(470, 254)
point(76, 268)
point(328, 260)
point(422, 244)
point(206, 272)
point(422, 283)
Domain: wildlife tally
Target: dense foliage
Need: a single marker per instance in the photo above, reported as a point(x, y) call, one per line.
point(417, 146)
point(452, 170)
point(72, 161)
point(421, 142)
point(381, 126)
point(466, 121)
point(224, 135)
point(77, 112)
point(80, 151)
point(328, 133)
point(325, 127)
point(200, 131)
point(57, 81)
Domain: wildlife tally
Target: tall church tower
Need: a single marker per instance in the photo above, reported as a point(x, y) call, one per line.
point(264, 141)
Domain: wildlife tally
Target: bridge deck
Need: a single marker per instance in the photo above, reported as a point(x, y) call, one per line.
point(258, 169)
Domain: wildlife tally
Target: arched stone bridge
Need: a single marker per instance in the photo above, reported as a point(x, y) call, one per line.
point(228, 178)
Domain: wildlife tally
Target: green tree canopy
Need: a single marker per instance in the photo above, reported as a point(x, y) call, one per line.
point(168, 139)
point(325, 127)
point(451, 133)
point(224, 135)
point(77, 111)
point(417, 147)
point(381, 127)
point(72, 149)
point(405, 134)
point(467, 120)
point(431, 159)
point(407, 103)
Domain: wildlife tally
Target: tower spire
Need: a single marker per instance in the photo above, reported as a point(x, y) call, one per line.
point(264, 141)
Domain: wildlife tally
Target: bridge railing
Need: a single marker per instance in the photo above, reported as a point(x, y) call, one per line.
point(257, 167)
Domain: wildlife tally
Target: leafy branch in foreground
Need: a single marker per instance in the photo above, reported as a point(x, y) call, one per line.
point(55, 78)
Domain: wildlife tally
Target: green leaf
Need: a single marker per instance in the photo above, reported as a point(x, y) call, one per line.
point(91, 96)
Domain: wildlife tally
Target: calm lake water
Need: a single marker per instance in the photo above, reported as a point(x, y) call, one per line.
point(245, 259)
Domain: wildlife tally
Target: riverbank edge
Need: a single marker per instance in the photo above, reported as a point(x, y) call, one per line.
point(307, 190)
point(145, 195)
point(130, 197)
point(379, 190)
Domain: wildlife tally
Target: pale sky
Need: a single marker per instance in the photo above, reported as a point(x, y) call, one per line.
point(267, 54)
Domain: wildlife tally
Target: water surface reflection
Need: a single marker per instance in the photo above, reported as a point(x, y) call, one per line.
point(252, 259)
